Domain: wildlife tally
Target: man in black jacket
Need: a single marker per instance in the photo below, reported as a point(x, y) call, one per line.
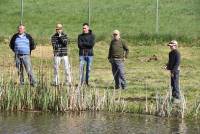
point(60, 44)
point(22, 44)
point(173, 67)
point(86, 41)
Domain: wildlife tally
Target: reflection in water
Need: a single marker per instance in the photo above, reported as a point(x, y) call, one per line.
point(177, 126)
point(92, 123)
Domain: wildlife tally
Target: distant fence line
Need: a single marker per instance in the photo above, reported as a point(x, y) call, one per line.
point(155, 8)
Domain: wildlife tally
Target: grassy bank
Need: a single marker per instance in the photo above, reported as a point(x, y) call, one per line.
point(135, 18)
point(148, 83)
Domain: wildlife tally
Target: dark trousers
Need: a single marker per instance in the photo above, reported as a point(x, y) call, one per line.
point(175, 84)
point(118, 73)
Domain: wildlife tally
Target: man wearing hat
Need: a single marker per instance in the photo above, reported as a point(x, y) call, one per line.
point(118, 51)
point(60, 44)
point(173, 67)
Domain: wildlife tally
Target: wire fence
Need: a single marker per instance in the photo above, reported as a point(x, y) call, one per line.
point(130, 17)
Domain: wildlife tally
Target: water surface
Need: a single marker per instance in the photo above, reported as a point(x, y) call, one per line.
point(93, 123)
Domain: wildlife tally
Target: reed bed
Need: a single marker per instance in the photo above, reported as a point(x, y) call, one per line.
point(47, 98)
point(62, 98)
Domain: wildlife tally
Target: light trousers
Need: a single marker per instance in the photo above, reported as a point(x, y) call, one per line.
point(57, 62)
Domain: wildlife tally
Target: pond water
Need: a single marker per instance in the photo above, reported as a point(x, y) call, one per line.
point(93, 123)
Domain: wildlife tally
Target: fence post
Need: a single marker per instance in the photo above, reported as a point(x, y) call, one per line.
point(157, 17)
point(89, 12)
point(22, 12)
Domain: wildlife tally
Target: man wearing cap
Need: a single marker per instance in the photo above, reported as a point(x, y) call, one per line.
point(173, 67)
point(86, 41)
point(22, 44)
point(60, 44)
point(118, 51)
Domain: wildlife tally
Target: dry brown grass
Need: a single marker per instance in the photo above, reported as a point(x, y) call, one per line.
point(43, 52)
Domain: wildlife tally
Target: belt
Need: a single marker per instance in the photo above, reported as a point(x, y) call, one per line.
point(117, 58)
point(21, 54)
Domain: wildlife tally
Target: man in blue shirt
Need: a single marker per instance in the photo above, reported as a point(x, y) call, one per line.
point(22, 44)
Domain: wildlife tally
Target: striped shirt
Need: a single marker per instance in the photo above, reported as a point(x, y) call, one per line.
point(22, 45)
point(59, 44)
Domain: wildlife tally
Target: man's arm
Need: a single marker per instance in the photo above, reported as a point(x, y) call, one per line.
point(109, 52)
point(64, 39)
point(80, 44)
point(177, 62)
point(91, 42)
point(12, 43)
point(32, 43)
point(86, 43)
point(125, 47)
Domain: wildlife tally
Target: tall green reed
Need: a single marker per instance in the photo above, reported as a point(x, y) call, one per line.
point(45, 97)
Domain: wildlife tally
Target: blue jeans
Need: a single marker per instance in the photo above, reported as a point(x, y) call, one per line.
point(23, 61)
point(88, 61)
point(118, 71)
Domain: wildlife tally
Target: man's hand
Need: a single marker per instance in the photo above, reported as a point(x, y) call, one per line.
point(164, 67)
point(110, 60)
point(172, 74)
point(59, 35)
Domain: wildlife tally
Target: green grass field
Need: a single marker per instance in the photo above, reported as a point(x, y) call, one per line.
point(145, 77)
point(136, 19)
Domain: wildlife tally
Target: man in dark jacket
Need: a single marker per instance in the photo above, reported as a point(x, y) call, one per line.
point(86, 41)
point(22, 44)
point(173, 67)
point(118, 51)
point(60, 44)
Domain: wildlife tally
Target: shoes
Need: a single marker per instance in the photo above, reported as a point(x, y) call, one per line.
point(22, 83)
point(33, 84)
point(116, 88)
point(67, 84)
point(54, 84)
point(87, 84)
point(123, 88)
point(176, 101)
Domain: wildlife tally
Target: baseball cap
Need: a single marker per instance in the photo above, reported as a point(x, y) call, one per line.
point(59, 26)
point(116, 32)
point(173, 43)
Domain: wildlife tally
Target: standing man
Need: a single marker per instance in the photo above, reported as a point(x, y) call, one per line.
point(60, 44)
point(86, 41)
point(173, 67)
point(118, 51)
point(22, 44)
